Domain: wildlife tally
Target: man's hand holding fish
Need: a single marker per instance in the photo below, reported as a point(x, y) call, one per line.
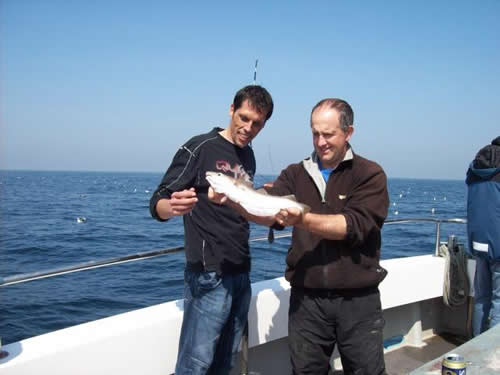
point(219, 198)
point(290, 216)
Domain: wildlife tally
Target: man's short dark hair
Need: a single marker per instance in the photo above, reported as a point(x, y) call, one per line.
point(346, 115)
point(258, 97)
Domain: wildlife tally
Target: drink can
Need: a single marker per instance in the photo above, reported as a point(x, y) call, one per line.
point(453, 364)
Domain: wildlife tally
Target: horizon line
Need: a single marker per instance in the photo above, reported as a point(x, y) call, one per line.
point(163, 172)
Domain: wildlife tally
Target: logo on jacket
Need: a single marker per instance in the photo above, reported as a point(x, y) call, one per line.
point(238, 171)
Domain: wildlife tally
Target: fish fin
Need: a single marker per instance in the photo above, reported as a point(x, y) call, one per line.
point(291, 197)
point(262, 191)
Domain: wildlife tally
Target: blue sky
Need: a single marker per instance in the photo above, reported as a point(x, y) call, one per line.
point(120, 85)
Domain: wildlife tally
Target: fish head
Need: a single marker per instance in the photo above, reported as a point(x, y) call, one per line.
point(219, 181)
point(228, 185)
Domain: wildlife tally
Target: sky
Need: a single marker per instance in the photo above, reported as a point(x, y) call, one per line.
point(119, 85)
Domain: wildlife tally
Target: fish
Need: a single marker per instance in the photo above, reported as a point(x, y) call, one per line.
point(255, 202)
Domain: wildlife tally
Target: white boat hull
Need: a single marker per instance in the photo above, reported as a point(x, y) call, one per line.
point(145, 341)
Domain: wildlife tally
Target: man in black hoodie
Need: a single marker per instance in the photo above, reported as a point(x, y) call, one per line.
point(483, 229)
point(217, 284)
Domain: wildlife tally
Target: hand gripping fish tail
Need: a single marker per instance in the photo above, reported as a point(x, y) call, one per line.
point(255, 202)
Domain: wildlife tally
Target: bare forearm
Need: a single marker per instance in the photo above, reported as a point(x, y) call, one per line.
point(332, 227)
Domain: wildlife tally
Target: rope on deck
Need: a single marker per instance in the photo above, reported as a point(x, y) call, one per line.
point(456, 279)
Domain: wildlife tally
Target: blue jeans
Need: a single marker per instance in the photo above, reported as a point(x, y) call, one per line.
point(486, 295)
point(215, 314)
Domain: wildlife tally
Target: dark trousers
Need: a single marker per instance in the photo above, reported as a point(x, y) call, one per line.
point(317, 320)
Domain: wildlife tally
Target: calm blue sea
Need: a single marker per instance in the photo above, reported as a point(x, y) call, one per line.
point(39, 231)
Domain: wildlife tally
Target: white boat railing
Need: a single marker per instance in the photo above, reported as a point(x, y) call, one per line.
point(428, 220)
point(25, 277)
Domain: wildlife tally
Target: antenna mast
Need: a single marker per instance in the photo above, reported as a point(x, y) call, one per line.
point(255, 72)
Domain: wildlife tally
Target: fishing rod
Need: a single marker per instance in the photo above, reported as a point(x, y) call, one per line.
point(255, 82)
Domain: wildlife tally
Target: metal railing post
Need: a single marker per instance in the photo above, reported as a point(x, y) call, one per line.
point(3, 353)
point(438, 238)
point(452, 240)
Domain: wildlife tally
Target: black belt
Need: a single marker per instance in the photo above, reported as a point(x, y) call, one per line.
point(199, 267)
point(229, 269)
point(333, 293)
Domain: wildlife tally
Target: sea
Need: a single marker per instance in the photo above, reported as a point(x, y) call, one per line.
point(53, 219)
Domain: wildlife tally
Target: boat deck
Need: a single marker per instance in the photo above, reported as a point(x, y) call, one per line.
point(481, 354)
point(405, 359)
